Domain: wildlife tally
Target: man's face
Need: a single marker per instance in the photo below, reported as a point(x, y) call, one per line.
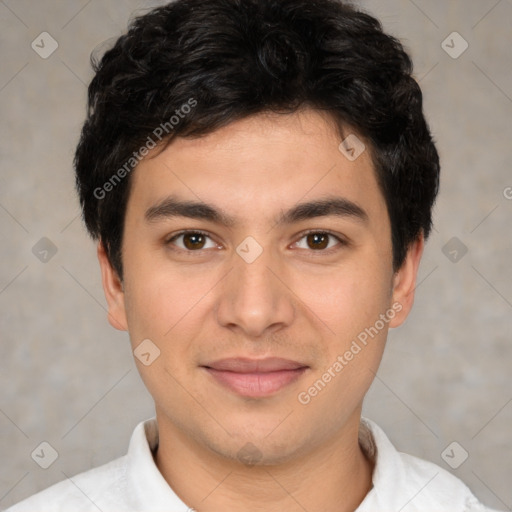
point(218, 304)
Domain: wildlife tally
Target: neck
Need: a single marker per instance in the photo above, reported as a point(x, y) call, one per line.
point(334, 477)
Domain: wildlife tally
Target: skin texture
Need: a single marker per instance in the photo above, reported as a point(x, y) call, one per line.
point(294, 301)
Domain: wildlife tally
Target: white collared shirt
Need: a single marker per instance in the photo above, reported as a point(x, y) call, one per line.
point(133, 483)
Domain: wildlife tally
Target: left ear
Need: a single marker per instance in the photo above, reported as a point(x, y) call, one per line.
point(404, 281)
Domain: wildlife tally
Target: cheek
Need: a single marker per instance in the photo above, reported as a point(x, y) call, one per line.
point(165, 306)
point(148, 308)
point(159, 297)
point(157, 310)
point(347, 299)
point(351, 306)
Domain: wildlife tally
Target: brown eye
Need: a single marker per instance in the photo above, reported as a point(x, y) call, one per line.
point(192, 241)
point(318, 240)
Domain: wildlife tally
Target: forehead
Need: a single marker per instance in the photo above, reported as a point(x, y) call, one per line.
point(255, 167)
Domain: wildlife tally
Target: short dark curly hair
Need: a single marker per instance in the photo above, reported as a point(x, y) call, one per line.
point(191, 67)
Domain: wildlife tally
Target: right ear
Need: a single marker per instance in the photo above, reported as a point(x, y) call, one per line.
point(114, 292)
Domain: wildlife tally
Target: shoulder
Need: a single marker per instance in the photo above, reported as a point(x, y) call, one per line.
point(85, 492)
point(408, 483)
point(438, 488)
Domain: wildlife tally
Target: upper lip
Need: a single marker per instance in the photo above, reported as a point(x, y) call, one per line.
point(247, 365)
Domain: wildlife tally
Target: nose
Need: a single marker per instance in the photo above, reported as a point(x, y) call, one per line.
point(255, 298)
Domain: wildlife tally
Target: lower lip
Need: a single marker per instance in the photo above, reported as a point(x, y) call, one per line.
point(256, 385)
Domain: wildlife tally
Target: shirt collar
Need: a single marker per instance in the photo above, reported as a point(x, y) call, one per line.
point(148, 488)
point(387, 468)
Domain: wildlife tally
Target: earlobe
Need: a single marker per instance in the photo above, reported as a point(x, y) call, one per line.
point(114, 292)
point(404, 281)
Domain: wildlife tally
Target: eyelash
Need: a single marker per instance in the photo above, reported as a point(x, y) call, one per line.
point(342, 242)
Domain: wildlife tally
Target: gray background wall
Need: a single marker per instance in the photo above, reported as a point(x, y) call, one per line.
point(68, 378)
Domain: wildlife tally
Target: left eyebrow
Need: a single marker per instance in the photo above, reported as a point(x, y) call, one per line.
point(331, 206)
